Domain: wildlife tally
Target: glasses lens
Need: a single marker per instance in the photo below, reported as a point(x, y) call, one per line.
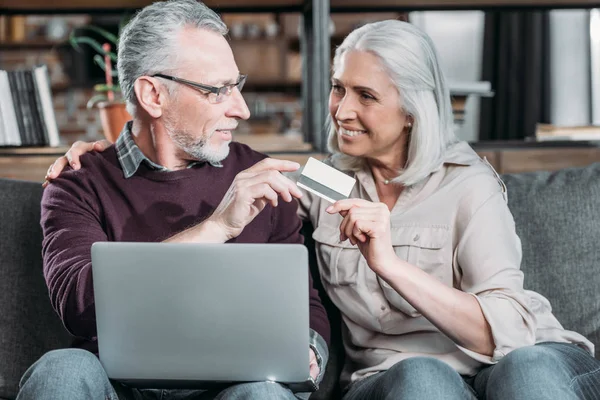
point(215, 98)
point(225, 91)
point(242, 82)
point(221, 95)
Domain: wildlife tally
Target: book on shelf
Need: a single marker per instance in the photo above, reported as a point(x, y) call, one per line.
point(545, 132)
point(460, 91)
point(459, 103)
point(26, 111)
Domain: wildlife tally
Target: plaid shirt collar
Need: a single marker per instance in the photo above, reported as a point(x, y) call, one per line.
point(131, 157)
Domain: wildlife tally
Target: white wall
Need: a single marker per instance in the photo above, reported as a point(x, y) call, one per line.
point(570, 70)
point(595, 65)
point(458, 37)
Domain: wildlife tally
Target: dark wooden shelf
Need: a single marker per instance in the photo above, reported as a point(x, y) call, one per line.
point(61, 87)
point(29, 151)
point(335, 40)
point(400, 5)
point(534, 144)
point(275, 40)
point(45, 6)
point(271, 86)
point(31, 44)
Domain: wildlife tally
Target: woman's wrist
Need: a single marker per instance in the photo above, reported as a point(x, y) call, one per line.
point(390, 267)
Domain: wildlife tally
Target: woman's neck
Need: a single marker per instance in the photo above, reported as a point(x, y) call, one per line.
point(384, 169)
point(387, 167)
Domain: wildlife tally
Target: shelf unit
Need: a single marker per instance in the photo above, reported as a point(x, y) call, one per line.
point(315, 41)
point(315, 19)
point(422, 5)
point(56, 6)
point(356, 6)
point(30, 44)
point(85, 6)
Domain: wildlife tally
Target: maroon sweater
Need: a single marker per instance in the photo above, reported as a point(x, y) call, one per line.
point(97, 203)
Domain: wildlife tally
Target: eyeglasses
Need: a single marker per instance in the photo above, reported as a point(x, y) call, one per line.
point(216, 94)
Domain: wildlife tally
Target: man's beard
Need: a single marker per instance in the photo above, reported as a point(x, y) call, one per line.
point(199, 148)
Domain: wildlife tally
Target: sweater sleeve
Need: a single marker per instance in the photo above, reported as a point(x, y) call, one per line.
point(286, 229)
point(70, 224)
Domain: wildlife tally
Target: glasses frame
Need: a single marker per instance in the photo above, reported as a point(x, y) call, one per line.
point(220, 92)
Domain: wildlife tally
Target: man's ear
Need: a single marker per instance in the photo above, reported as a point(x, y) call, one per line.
point(149, 96)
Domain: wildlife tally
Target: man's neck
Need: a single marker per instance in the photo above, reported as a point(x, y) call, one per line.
point(153, 140)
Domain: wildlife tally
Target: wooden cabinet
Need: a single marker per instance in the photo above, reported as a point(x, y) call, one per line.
point(515, 157)
point(528, 160)
point(28, 164)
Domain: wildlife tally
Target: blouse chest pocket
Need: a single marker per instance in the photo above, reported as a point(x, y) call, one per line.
point(338, 261)
point(424, 247)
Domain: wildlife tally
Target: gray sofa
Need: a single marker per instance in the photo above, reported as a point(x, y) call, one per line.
point(557, 216)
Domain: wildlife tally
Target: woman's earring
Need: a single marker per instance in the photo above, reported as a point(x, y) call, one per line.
point(409, 126)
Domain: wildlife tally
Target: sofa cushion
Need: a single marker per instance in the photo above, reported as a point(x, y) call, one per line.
point(28, 325)
point(557, 216)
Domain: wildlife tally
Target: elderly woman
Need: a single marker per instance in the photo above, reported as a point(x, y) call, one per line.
point(423, 260)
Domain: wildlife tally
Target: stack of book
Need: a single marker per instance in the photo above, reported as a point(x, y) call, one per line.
point(26, 112)
point(545, 132)
point(460, 92)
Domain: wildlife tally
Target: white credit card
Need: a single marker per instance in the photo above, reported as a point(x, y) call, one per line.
point(325, 181)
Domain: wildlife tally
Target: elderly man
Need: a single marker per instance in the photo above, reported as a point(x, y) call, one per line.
point(182, 87)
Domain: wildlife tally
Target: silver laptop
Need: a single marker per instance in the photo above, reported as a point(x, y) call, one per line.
point(202, 315)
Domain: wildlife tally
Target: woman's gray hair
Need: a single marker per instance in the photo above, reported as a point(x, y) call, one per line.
point(408, 55)
point(148, 44)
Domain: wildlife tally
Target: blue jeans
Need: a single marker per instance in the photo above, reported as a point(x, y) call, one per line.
point(78, 374)
point(545, 371)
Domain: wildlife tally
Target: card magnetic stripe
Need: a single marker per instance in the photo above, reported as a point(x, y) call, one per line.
point(321, 188)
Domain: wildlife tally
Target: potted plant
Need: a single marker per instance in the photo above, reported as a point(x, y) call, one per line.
point(107, 97)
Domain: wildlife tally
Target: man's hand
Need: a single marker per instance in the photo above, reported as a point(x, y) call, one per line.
point(71, 158)
point(249, 193)
point(313, 365)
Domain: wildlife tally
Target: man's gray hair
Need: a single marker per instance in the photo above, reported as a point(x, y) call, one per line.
point(148, 44)
point(408, 55)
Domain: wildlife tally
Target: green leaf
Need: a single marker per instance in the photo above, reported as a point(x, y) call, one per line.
point(95, 100)
point(76, 41)
point(103, 87)
point(99, 60)
point(102, 32)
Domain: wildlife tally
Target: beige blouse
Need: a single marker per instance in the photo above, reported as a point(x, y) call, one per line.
point(456, 226)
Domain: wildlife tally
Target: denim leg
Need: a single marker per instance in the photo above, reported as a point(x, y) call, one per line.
point(414, 378)
point(256, 390)
point(66, 374)
point(544, 371)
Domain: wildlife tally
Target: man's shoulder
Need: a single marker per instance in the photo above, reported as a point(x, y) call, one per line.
point(97, 158)
point(95, 166)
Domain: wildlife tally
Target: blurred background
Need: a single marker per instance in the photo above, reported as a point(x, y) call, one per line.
point(523, 74)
